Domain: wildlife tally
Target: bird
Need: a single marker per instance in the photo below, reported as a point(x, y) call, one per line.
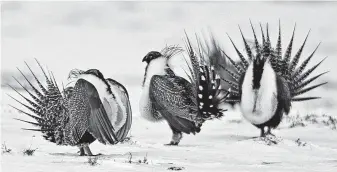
point(266, 83)
point(94, 108)
point(184, 103)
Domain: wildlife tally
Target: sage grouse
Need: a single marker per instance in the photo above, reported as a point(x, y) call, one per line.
point(184, 104)
point(95, 108)
point(266, 83)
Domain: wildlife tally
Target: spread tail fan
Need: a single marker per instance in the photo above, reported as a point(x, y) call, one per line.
point(205, 79)
point(295, 75)
point(46, 105)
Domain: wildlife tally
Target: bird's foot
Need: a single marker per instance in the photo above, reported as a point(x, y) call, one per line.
point(270, 134)
point(83, 154)
point(99, 154)
point(176, 137)
point(262, 133)
point(172, 143)
point(269, 139)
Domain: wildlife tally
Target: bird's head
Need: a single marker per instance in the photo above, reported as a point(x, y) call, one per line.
point(99, 75)
point(95, 72)
point(151, 56)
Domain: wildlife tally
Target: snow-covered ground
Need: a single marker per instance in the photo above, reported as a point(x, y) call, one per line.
point(222, 145)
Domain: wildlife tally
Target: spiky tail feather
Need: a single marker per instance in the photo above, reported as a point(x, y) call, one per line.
point(285, 67)
point(206, 82)
point(48, 106)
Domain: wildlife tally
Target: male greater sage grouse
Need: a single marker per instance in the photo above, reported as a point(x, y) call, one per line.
point(95, 108)
point(184, 104)
point(266, 83)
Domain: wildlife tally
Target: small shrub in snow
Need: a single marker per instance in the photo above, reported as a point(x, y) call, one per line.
point(92, 161)
point(176, 168)
point(144, 161)
point(296, 124)
point(311, 118)
point(296, 121)
point(130, 158)
point(302, 121)
point(4, 149)
point(29, 151)
point(330, 122)
point(300, 142)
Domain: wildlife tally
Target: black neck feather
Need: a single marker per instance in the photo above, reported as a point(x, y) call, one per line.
point(98, 74)
point(257, 73)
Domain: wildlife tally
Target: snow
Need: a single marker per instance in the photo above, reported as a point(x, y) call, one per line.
point(222, 145)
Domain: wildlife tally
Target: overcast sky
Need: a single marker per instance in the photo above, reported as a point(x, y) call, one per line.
point(114, 36)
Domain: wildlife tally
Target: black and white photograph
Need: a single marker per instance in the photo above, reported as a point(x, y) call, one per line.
point(153, 86)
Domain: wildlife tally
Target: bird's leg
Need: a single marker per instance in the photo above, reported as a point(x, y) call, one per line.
point(262, 132)
point(269, 132)
point(82, 153)
point(88, 151)
point(176, 137)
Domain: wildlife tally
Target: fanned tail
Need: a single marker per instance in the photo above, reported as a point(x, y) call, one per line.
point(207, 83)
point(232, 70)
point(286, 67)
point(47, 107)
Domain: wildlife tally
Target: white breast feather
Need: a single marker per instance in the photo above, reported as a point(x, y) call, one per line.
point(266, 100)
point(156, 67)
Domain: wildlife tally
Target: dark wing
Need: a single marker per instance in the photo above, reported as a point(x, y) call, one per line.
point(174, 99)
point(283, 94)
point(87, 113)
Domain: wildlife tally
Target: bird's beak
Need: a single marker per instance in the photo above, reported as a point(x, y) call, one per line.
point(144, 59)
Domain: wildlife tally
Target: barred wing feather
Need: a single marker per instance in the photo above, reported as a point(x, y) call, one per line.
point(87, 113)
point(174, 95)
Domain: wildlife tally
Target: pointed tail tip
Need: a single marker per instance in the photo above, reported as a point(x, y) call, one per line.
point(228, 36)
point(299, 99)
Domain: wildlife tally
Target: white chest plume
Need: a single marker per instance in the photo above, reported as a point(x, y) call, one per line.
point(259, 105)
point(155, 67)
